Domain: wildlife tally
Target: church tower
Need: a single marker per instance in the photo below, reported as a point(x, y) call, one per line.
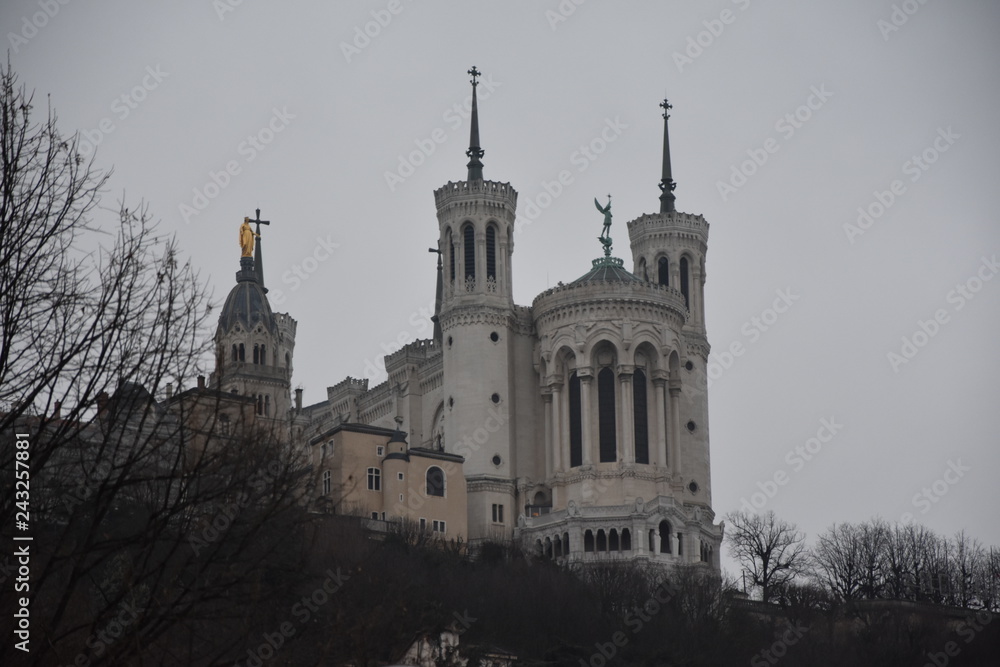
point(254, 345)
point(479, 334)
point(669, 248)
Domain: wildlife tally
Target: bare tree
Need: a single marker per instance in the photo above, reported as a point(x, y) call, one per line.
point(155, 533)
point(771, 550)
point(837, 561)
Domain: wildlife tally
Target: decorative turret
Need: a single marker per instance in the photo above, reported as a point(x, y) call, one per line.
point(254, 345)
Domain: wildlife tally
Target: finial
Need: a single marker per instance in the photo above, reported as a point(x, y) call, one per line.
point(667, 184)
point(475, 153)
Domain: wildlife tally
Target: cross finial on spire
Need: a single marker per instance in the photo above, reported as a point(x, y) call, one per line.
point(667, 184)
point(475, 153)
point(666, 106)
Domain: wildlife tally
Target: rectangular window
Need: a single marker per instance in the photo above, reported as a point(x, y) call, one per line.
point(497, 513)
point(399, 476)
point(374, 479)
point(439, 527)
point(327, 482)
point(375, 515)
point(423, 525)
point(380, 451)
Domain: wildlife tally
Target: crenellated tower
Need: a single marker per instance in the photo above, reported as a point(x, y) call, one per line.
point(478, 329)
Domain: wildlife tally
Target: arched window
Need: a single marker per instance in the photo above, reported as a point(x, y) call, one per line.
point(288, 360)
point(641, 416)
point(684, 281)
point(263, 355)
point(327, 482)
point(435, 482)
point(565, 544)
point(374, 479)
point(557, 547)
point(449, 246)
point(242, 353)
point(491, 252)
point(663, 271)
point(256, 353)
point(664, 537)
point(267, 405)
point(236, 353)
point(548, 547)
point(613, 544)
point(469, 241)
point(260, 404)
point(680, 544)
point(626, 539)
point(588, 541)
point(575, 422)
point(602, 540)
point(606, 414)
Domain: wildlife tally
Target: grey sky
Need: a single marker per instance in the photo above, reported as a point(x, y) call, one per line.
point(337, 120)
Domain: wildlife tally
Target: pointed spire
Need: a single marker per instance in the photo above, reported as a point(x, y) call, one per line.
point(438, 293)
point(475, 153)
point(667, 184)
point(258, 260)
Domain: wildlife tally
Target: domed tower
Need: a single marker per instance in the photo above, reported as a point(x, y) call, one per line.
point(480, 336)
point(254, 345)
point(621, 362)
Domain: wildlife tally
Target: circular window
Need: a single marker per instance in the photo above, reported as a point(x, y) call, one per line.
point(494, 336)
point(689, 366)
point(497, 460)
point(693, 486)
point(495, 398)
point(691, 426)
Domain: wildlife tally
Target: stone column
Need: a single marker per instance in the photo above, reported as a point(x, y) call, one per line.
point(626, 444)
point(660, 384)
point(674, 386)
point(549, 439)
point(586, 382)
point(555, 438)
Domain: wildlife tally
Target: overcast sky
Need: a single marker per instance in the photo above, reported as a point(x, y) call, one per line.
point(338, 120)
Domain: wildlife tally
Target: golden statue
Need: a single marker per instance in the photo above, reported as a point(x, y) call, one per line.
point(246, 238)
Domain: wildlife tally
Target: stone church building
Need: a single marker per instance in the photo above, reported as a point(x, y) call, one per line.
point(577, 425)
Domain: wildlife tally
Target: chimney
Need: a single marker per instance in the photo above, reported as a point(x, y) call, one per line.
point(170, 390)
point(298, 400)
point(201, 382)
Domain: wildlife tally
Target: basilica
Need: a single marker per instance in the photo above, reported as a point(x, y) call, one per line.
point(576, 425)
